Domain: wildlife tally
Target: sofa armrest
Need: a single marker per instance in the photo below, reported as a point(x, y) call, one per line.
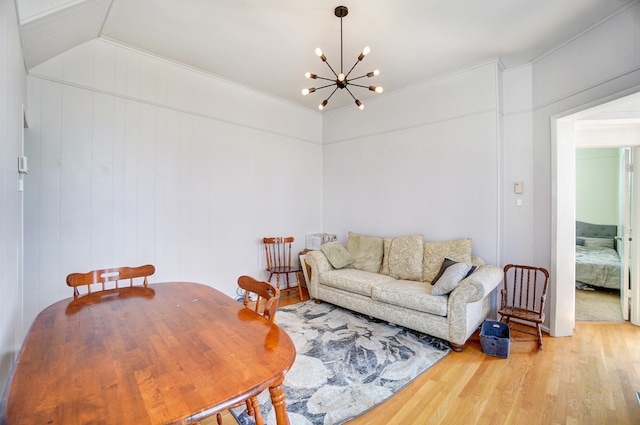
point(481, 282)
point(465, 311)
point(319, 264)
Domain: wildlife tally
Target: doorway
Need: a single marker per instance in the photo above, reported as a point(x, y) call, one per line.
point(586, 128)
point(600, 202)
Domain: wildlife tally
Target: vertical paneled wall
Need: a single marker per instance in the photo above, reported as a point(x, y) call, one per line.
point(12, 97)
point(518, 208)
point(137, 160)
point(424, 160)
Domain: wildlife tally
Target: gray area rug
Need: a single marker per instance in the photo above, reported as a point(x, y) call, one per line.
point(346, 363)
point(597, 304)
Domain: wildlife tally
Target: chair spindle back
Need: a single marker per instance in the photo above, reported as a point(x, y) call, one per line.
point(525, 288)
point(105, 279)
point(278, 253)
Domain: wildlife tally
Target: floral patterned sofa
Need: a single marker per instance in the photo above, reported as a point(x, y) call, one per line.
point(437, 288)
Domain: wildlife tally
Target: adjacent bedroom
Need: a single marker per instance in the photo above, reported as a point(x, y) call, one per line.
point(599, 205)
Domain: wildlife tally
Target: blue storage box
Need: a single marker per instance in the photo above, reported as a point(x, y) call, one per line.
point(495, 338)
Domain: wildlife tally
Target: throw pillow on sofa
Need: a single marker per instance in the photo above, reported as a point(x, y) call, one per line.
point(366, 251)
point(435, 253)
point(448, 262)
point(337, 254)
point(450, 278)
point(403, 257)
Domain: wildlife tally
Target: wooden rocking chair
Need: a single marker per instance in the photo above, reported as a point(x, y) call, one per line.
point(523, 297)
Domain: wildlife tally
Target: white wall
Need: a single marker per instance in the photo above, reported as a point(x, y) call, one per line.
point(12, 97)
point(518, 231)
point(137, 160)
point(597, 178)
point(424, 160)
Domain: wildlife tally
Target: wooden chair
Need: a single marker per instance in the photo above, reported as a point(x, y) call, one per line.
point(266, 304)
point(268, 296)
point(106, 279)
point(523, 297)
point(278, 256)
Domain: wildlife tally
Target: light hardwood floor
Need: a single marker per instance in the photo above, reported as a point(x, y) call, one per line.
point(590, 378)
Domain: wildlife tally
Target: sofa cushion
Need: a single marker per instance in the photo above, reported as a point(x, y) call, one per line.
point(450, 278)
point(337, 254)
point(366, 250)
point(403, 257)
point(435, 252)
point(353, 280)
point(410, 294)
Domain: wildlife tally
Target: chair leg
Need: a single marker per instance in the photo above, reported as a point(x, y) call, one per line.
point(539, 336)
point(219, 419)
point(249, 405)
point(286, 280)
point(299, 285)
point(257, 414)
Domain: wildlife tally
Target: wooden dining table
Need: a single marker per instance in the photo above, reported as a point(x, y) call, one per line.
point(171, 353)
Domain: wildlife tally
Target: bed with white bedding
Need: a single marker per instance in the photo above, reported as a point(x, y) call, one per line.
point(597, 261)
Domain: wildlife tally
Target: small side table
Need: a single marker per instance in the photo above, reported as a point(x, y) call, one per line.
point(306, 269)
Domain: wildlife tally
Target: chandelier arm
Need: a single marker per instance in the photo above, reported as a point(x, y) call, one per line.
point(334, 90)
point(356, 78)
point(334, 73)
point(326, 79)
point(358, 85)
point(354, 98)
point(354, 65)
point(328, 85)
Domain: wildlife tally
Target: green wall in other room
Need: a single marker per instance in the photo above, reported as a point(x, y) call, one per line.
point(597, 180)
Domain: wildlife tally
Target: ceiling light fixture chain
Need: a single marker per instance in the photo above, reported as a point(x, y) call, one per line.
point(342, 81)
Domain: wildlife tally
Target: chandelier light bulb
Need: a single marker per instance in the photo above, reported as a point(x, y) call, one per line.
point(341, 77)
point(364, 53)
point(307, 91)
point(310, 75)
point(320, 54)
point(323, 104)
point(373, 73)
point(360, 104)
point(376, 89)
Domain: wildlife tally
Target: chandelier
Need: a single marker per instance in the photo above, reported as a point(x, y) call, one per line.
point(342, 80)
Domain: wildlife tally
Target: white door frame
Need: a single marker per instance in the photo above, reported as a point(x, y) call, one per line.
point(635, 251)
point(625, 232)
point(563, 164)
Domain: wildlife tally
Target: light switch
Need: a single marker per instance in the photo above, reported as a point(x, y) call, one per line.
point(517, 187)
point(518, 202)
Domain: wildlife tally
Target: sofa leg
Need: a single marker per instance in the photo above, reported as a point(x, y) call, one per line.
point(317, 301)
point(456, 347)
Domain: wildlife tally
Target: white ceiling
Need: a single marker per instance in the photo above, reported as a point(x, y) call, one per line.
point(269, 45)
